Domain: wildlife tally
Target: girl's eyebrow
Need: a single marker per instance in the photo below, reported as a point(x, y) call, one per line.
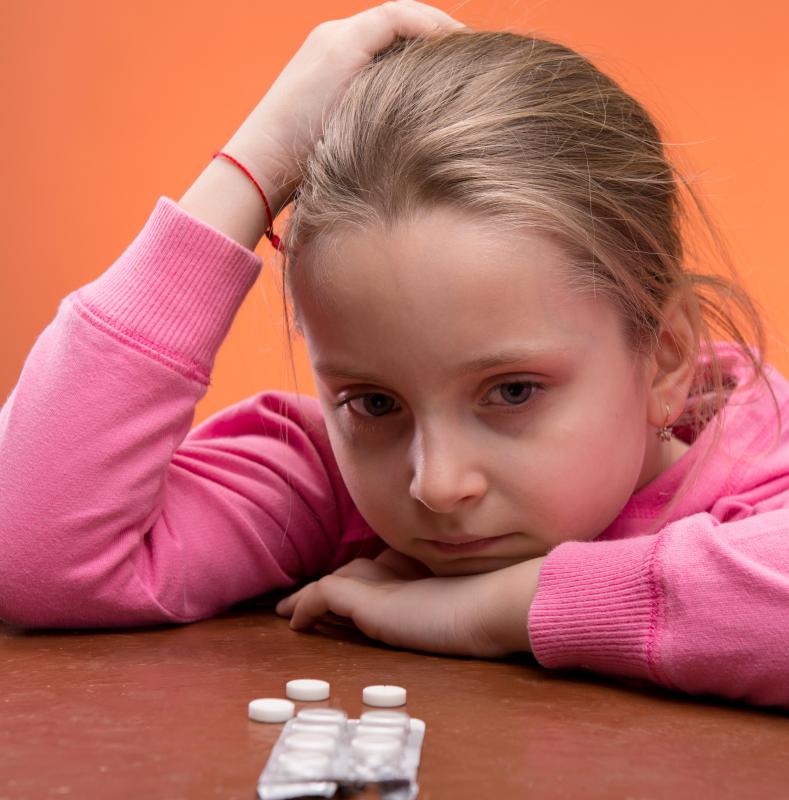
point(479, 363)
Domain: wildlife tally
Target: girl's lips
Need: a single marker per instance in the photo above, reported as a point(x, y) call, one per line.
point(466, 547)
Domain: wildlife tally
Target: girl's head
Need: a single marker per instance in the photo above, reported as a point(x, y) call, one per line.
point(485, 260)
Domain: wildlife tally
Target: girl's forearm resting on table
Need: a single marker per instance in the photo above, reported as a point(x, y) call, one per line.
point(484, 615)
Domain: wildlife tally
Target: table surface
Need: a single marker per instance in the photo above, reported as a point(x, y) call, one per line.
point(161, 712)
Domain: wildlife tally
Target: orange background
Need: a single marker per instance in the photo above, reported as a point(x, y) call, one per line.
point(108, 105)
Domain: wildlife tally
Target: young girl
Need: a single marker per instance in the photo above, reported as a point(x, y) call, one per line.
point(526, 436)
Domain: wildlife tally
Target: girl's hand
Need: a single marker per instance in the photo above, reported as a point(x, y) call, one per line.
point(481, 615)
point(288, 120)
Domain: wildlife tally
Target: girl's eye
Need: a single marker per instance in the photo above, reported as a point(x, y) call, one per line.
point(516, 393)
point(372, 405)
point(375, 404)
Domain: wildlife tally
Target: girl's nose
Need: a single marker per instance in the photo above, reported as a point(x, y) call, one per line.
point(444, 475)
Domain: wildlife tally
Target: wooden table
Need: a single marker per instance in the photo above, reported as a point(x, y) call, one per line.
point(162, 713)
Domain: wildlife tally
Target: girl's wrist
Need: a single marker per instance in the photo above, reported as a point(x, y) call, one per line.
point(514, 591)
point(260, 144)
point(225, 198)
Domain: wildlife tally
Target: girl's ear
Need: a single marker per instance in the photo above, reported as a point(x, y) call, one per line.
point(674, 362)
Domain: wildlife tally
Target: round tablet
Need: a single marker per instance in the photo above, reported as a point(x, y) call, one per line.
point(271, 709)
point(322, 715)
point(383, 696)
point(376, 746)
point(307, 689)
point(319, 742)
point(395, 731)
point(315, 727)
point(389, 718)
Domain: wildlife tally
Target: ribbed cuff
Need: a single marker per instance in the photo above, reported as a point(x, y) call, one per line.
point(176, 289)
point(600, 605)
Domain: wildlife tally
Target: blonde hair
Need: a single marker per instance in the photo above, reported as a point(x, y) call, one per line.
point(527, 133)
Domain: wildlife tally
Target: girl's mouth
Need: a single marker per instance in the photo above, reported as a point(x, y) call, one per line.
point(468, 546)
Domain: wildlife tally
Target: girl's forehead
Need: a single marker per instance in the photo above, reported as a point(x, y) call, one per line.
point(440, 287)
point(442, 263)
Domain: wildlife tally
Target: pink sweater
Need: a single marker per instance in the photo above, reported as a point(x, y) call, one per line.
point(114, 513)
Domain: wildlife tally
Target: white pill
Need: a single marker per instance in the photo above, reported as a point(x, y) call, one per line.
point(311, 741)
point(303, 763)
point(315, 727)
point(383, 696)
point(271, 709)
point(322, 715)
point(397, 719)
point(376, 746)
point(395, 731)
point(307, 689)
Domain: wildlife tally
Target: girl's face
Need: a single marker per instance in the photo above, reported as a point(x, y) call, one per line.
point(467, 396)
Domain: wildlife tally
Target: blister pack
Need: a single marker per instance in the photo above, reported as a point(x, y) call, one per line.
point(321, 752)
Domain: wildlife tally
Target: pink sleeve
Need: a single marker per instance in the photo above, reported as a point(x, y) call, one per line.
point(112, 512)
point(701, 607)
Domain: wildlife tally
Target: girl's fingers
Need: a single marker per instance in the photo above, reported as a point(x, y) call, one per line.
point(400, 18)
point(362, 568)
point(285, 606)
point(330, 594)
point(414, 19)
point(441, 17)
point(366, 569)
point(388, 566)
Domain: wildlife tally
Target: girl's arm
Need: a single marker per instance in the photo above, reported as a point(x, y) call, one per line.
point(701, 607)
point(111, 512)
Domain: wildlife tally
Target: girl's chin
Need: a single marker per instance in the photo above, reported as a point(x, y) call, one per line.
point(470, 565)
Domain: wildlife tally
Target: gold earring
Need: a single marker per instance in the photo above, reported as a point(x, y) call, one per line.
point(664, 433)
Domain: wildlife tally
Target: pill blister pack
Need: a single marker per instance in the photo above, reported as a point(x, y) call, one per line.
point(322, 753)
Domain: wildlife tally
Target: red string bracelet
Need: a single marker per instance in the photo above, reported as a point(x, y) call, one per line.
point(273, 238)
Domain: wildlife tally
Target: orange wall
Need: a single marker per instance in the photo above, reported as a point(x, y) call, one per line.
point(108, 105)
